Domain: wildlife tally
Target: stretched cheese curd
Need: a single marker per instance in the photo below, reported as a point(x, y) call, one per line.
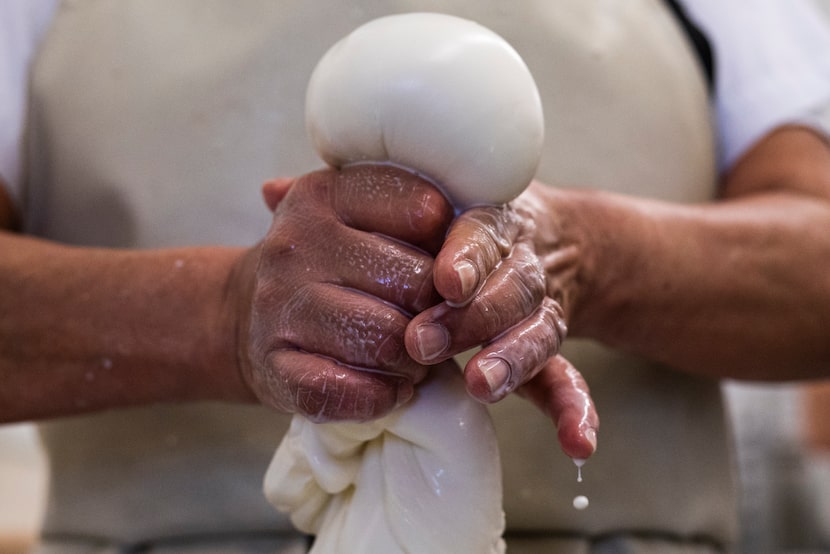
point(426, 478)
point(452, 101)
point(433, 93)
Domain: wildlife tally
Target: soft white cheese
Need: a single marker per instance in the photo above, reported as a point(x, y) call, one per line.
point(438, 94)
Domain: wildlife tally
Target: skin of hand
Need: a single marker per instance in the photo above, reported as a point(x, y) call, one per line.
point(500, 293)
point(123, 328)
point(554, 385)
point(86, 329)
point(734, 288)
point(335, 285)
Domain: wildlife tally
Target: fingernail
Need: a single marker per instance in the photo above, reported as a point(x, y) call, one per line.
point(432, 339)
point(496, 371)
point(591, 435)
point(405, 393)
point(468, 276)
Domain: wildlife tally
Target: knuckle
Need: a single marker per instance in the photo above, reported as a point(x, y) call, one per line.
point(318, 395)
point(527, 283)
point(531, 343)
point(363, 335)
point(554, 318)
point(527, 292)
point(276, 248)
point(491, 316)
point(430, 211)
point(409, 282)
point(373, 340)
point(498, 228)
point(288, 321)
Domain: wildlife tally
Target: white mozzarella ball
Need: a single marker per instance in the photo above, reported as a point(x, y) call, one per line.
point(433, 93)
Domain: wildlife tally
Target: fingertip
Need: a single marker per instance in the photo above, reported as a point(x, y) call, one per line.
point(456, 281)
point(426, 341)
point(467, 277)
point(405, 392)
point(274, 190)
point(477, 387)
point(591, 437)
point(395, 202)
point(578, 443)
point(488, 379)
point(430, 209)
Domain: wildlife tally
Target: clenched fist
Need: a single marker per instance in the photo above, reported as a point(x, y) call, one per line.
point(347, 262)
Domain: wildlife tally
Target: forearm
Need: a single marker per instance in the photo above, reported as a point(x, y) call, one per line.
point(89, 329)
point(737, 288)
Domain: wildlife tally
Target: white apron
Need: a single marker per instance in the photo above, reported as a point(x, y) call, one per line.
point(153, 124)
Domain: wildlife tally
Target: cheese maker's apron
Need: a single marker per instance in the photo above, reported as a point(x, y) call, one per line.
point(153, 124)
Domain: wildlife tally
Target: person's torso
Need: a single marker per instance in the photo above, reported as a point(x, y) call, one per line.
point(153, 124)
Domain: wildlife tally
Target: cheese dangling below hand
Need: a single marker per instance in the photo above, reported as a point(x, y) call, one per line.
point(450, 100)
point(425, 478)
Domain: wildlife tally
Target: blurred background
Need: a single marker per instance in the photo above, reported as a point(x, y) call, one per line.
point(783, 458)
point(22, 487)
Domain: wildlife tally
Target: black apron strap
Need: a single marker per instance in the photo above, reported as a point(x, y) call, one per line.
point(699, 40)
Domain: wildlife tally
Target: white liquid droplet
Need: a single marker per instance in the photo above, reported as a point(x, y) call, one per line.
point(579, 462)
point(580, 502)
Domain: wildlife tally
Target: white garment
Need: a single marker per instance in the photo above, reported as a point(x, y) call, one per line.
point(117, 477)
point(22, 25)
point(772, 67)
point(771, 62)
point(132, 111)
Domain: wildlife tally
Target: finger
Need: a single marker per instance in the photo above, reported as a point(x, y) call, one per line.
point(350, 327)
point(391, 271)
point(323, 390)
point(391, 201)
point(560, 391)
point(375, 265)
point(513, 292)
point(274, 190)
point(517, 356)
point(477, 242)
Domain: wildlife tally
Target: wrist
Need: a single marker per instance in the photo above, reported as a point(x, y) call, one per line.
point(226, 361)
point(122, 328)
point(590, 232)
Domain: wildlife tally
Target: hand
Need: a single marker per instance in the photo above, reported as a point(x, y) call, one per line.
point(561, 393)
point(509, 277)
point(335, 284)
